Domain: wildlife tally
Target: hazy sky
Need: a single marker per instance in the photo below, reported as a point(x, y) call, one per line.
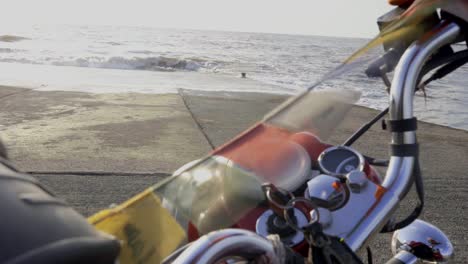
point(315, 17)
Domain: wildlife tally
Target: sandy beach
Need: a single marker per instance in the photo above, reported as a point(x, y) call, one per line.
point(97, 149)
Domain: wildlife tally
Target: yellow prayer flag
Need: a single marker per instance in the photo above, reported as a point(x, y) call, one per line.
point(146, 229)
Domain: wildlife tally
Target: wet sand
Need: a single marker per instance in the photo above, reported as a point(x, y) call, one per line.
point(98, 149)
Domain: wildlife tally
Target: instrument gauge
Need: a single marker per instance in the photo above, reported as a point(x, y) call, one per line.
point(340, 160)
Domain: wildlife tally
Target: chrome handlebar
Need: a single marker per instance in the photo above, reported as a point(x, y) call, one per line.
point(221, 244)
point(398, 177)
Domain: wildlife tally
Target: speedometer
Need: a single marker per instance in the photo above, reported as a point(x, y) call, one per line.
point(340, 160)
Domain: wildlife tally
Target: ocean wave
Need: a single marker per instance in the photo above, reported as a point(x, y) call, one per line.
point(137, 63)
point(19, 60)
point(8, 50)
point(12, 38)
point(146, 52)
point(158, 63)
point(112, 43)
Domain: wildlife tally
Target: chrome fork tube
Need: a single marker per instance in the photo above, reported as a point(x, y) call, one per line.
point(398, 177)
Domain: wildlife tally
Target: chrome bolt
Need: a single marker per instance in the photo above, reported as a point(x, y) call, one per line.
point(357, 180)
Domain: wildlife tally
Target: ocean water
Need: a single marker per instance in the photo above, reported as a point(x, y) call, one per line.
point(135, 59)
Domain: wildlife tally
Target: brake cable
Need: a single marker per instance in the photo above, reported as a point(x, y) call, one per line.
point(442, 59)
point(363, 129)
point(446, 69)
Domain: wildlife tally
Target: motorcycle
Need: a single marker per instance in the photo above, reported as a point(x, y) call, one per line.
point(277, 193)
